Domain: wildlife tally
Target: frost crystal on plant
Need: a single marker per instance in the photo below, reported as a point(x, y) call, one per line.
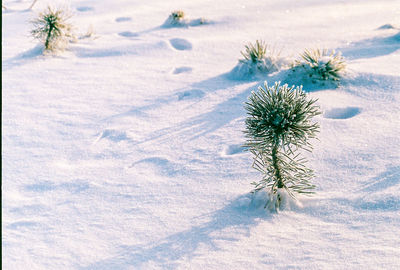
point(321, 65)
point(279, 123)
point(176, 17)
point(260, 57)
point(52, 29)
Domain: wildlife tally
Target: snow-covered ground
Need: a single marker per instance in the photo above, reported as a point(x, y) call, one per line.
point(124, 151)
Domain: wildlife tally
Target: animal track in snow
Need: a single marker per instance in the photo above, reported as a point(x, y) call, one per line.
point(128, 34)
point(29, 209)
point(46, 186)
point(159, 165)
point(113, 135)
point(19, 225)
point(342, 113)
point(123, 19)
point(233, 149)
point(84, 9)
point(180, 44)
point(191, 94)
point(182, 70)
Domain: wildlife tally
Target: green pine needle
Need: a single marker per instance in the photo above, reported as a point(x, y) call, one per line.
point(322, 64)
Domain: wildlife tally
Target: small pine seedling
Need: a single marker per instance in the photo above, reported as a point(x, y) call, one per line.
point(52, 29)
point(176, 17)
point(278, 125)
point(261, 57)
point(322, 65)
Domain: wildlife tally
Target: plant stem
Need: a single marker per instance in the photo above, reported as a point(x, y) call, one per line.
point(276, 166)
point(46, 45)
point(34, 2)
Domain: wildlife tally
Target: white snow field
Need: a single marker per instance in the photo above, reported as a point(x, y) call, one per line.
point(124, 151)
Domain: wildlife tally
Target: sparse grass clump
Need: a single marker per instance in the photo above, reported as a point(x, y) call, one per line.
point(258, 59)
point(255, 52)
point(279, 123)
point(51, 28)
point(321, 65)
point(261, 57)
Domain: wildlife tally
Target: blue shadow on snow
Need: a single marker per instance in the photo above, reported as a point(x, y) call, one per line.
point(168, 251)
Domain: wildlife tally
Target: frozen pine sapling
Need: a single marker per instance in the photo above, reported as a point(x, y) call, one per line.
point(321, 65)
point(278, 125)
point(176, 18)
point(52, 29)
point(177, 15)
point(258, 59)
point(261, 57)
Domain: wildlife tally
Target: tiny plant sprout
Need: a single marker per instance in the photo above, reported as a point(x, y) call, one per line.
point(278, 125)
point(255, 52)
point(51, 28)
point(321, 65)
point(260, 58)
point(176, 17)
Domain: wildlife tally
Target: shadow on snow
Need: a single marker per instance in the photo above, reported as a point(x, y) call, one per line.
point(184, 244)
point(373, 47)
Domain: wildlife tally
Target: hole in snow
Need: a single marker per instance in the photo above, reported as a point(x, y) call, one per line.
point(182, 70)
point(180, 44)
point(113, 135)
point(84, 9)
point(128, 34)
point(233, 149)
point(123, 19)
point(342, 113)
point(191, 94)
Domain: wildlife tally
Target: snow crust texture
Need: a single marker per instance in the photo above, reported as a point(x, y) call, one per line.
point(124, 151)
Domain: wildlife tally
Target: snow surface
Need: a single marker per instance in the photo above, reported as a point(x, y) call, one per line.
point(124, 151)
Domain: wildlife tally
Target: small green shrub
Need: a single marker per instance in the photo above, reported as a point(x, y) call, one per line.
point(258, 59)
point(176, 17)
point(52, 29)
point(278, 125)
point(321, 65)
